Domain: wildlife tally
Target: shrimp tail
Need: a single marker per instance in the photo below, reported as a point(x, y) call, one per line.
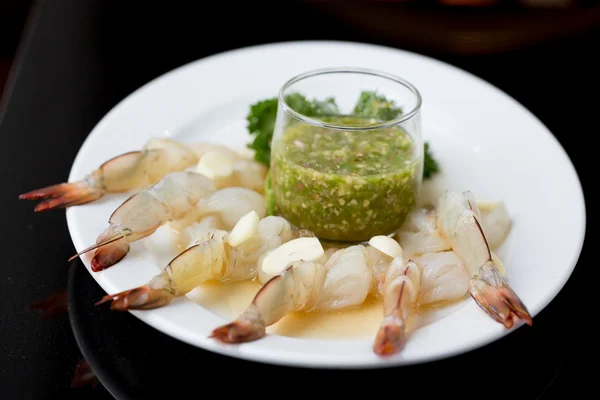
point(140, 298)
point(390, 337)
point(497, 298)
point(110, 253)
point(248, 327)
point(111, 247)
point(64, 195)
point(402, 284)
point(112, 176)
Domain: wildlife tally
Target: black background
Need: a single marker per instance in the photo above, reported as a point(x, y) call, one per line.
point(78, 60)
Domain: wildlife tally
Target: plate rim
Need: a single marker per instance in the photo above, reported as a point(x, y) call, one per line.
point(271, 358)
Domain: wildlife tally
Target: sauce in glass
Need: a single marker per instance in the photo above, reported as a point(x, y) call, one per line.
point(345, 185)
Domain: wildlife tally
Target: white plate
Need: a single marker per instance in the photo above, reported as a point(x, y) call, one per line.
point(485, 141)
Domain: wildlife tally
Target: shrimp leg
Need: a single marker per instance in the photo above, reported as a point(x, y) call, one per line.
point(132, 170)
point(143, 213)
point(295, 289)
point(401, 288)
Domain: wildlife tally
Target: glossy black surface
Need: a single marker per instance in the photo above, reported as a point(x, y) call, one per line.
point(80, 58)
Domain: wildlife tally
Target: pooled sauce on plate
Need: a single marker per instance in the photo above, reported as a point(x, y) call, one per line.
point(345, 185)
point(229, 300)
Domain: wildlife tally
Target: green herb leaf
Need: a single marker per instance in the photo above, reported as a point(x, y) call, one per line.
point(261, 122)
point(430, 165)
point(263, 114)
point(372, 105)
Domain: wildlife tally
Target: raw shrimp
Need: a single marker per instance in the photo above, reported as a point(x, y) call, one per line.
point(339, 279)
point(344, 280)
point(229, 169)
point(495, 221)
point(194, 230)
point(143, 213)
point(201, 149)
point(443, 278)
point(303, 286)
point(245, 173)
point(209, 257)
point(400, 293)
point(133, 170)
point(419, 234)
point(459, 222)
point(228, 205)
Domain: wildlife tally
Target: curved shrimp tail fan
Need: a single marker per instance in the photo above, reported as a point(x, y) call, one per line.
point(498, 299)
point(63, 195)
point(248, 327)
point(110, 249)
point(140, 298)
point(390, 338)
point(238, 332)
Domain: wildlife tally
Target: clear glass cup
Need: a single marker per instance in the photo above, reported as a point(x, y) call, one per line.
point(347, 153)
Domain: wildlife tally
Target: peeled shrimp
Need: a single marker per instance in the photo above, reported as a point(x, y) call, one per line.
point(459, 222)
point(244, 173)
point(208, 257)
point(201, 149)
point(228, 205)
point(344, 280)
point(143, 213)
point(133, 170)
point(228, 169)
point(443, 278)
point(419, 234)
point(495, 222)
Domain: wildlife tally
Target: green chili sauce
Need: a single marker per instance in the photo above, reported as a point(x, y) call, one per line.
point(345, 185)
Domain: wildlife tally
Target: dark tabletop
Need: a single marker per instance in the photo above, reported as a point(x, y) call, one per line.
point(79, 58)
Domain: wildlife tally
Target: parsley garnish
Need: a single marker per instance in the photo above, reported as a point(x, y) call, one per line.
point(262, 116)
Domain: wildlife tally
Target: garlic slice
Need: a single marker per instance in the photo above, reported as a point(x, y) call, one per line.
point(263, 277)
point(215, 164)
point(305, 248)
point(386, 245)
point(245, 228)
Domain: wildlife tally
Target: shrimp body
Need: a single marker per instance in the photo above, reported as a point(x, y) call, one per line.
point(343, 280)
point(228, 205)
point(232, 203)
point(419, 234)
point(245, 173)
point(227, 168)
point(203, 148)
point(459, 222)
point(272, 232)
point(348, 280)
point(208, 257)
point(128, 171)
point(443, 278)
point(143, 213)
point(495, 221)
